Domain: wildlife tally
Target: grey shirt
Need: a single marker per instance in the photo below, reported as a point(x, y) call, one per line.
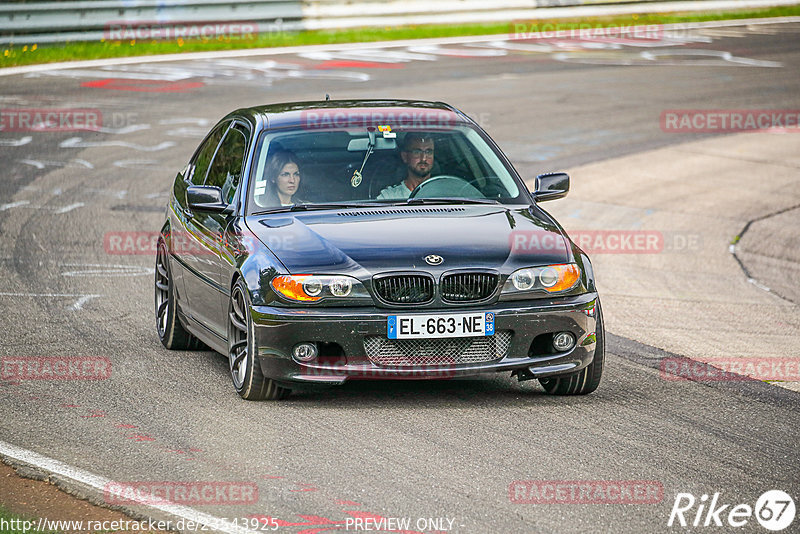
point(395, 192)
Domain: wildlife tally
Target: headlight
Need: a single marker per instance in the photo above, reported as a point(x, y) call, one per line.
point(523, 279)
point(312, 288)
point(549, 279)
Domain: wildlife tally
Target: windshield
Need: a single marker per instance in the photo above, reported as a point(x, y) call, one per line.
point(303, 169)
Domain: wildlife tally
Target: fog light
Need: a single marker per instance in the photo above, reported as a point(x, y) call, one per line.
point(563, 341)
point(305, 352)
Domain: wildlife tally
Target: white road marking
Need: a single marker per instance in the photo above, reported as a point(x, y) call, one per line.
point(16, 142)
point(78, 142)
point(69, 208)
point(78, 305)
point(105, 72)
point(134, 163)
point(373, 55)
point(17, 204)
point(673, 57)
point(100, 483)
point(95, 269)
point(123, 130)
point(216, 71)
point(81, 301)
point(27, 205)
point(119, 193)
point(656, 55)
point(456, 52)
point(41, 164)
point(187, 131)
point(185, 120)
point(758, 284)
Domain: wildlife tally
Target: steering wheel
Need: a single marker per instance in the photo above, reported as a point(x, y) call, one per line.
point(446, 185)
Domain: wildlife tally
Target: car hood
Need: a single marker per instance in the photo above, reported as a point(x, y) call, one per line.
point(396, 239)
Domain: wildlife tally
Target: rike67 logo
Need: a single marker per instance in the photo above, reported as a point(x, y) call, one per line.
point(774, 510)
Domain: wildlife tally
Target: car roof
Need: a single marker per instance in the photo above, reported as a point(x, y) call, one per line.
point(353, 113)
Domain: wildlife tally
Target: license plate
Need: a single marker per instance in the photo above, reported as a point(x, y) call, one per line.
point(434, 326)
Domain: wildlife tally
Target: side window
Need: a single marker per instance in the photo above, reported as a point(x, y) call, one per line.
point(226, 169)
point(205, 154)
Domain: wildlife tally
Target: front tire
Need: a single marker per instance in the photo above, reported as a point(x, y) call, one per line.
point(170, 330)
point(587, 379)
point(248, 380)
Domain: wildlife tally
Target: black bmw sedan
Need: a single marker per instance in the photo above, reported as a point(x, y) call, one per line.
point(320, 242)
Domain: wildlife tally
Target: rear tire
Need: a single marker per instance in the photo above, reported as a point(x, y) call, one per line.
point(248, 380)
point(170, 330)
point(587, 379)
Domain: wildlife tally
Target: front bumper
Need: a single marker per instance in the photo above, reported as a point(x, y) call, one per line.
point(278, 330)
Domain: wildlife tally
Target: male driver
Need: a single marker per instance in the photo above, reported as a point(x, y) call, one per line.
point(417, 154)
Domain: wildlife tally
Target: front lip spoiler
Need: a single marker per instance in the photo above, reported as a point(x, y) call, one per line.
point(372, 373)
point(538, 366)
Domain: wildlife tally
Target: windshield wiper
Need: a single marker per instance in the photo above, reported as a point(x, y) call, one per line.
point(449, 200)
point(309, 207)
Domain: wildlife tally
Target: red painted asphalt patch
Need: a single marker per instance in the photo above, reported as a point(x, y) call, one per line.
point(145, 86)
point(358, 65)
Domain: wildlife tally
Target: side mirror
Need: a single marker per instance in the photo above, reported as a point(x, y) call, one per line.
point(550, 186)
point(205, 198)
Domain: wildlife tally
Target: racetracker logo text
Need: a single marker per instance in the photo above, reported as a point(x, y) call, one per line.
point(584, 31)
point(188, 493)
point(731, 369)
point(729, 120)
point(413, 119)
point(590, 241)
point(585, 492)
point(174, 30)
point(55, 368)
point(50, 119)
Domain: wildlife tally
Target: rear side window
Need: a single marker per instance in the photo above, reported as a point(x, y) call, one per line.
point(226, 169)
point(206, 153)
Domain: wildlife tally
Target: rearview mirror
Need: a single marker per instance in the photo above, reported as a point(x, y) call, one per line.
point(550, 186)
point(361, 144)
point(205, 198)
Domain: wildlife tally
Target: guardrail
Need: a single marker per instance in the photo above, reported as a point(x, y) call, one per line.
point(89, 20)
point(54, 22)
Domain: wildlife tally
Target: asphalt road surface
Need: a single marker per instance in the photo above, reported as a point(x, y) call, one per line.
point(447, 456)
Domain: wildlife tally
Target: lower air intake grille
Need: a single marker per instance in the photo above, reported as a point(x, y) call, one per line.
point(433, 352)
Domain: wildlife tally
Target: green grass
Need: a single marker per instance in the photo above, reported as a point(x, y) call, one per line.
point(26, 54)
